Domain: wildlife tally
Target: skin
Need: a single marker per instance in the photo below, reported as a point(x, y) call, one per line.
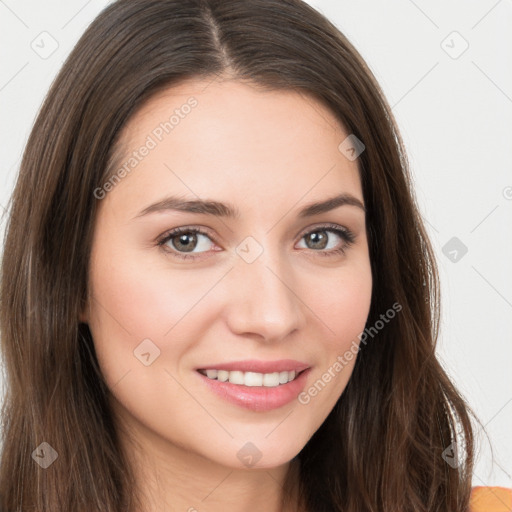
point(269, 154)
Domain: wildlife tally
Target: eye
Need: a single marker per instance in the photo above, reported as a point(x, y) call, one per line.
point(182, 242)
point(324, 244)
point(185, 240)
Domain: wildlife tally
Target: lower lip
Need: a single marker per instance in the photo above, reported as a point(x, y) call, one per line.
point(259, 398)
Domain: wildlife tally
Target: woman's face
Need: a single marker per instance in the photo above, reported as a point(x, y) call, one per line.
point(262, 286)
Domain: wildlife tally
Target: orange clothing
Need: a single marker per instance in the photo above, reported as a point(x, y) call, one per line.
point(490, 499)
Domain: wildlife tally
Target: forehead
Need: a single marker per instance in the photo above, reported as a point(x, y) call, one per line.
point(234, 141)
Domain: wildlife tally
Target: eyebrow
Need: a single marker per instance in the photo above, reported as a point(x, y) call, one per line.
point(218, 209)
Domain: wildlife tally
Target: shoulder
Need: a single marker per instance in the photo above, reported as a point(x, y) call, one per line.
point(490, 499)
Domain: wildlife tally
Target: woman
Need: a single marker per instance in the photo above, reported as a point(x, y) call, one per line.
point(262, 371)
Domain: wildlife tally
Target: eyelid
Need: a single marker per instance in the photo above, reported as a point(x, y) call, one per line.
point(185, 229)
point(328, 226)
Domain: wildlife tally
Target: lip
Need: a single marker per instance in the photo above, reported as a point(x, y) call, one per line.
point(259, 366)
point(258, 399)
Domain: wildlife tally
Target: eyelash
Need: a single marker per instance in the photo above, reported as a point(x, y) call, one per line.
point(343, 233)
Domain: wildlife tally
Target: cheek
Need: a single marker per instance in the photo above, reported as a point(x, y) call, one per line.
point(347, 311)
point(144, 312)
point(135, 299)
point(342, 304)
point(143, 296)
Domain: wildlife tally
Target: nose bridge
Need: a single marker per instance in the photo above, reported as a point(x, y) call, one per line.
point(263, 297)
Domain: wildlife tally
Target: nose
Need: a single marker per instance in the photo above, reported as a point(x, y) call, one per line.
point(265, 298)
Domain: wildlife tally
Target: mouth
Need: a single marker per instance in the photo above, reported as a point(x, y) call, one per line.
point(256, 391)
point(252, 379)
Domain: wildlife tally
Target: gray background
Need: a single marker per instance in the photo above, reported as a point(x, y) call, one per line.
point(446, 69)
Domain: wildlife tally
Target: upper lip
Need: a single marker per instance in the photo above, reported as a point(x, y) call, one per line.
point(259, 366)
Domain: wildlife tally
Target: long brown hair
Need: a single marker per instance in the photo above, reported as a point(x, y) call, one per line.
point(381, 447)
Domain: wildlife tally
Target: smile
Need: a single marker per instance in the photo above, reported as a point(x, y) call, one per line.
point(251, 379)
point(259, 392)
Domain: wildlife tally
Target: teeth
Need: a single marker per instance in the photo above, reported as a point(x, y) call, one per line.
point(236, 377)
point(222, 375)
point(211, 374)
point(251, 379)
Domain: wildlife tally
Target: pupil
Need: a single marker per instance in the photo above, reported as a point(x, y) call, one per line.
point(187, 245)
point(318, 237)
